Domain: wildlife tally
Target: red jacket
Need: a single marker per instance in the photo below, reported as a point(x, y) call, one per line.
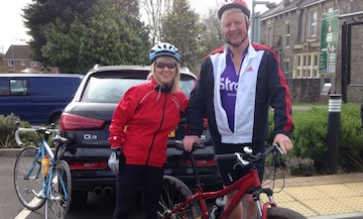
point(150, 114)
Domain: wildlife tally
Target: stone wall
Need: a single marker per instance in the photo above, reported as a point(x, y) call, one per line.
point(304, 90)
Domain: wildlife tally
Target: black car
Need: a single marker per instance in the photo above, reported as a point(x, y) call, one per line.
point(85, 122)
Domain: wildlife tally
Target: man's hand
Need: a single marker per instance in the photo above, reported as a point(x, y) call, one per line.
point(189, 140)
point(284, 142)
point(114, 160)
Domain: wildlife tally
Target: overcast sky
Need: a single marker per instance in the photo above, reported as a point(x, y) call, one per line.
point(13, 30)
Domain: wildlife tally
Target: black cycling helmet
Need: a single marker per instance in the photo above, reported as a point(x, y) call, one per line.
point(164, 49)
point(241, 4)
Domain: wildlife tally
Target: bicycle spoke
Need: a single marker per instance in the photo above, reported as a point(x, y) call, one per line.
point(59, 198)
point(27, 179)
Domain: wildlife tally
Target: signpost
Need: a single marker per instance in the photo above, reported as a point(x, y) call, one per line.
point(329, 42)
point(328, 48)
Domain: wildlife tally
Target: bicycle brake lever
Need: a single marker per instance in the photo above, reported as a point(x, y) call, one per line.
point(279, 149)
point(241, 160)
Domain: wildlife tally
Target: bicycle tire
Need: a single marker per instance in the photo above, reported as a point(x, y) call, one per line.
point(174, 193)
point(25, 187)
point(57, 206)
point(282, 213)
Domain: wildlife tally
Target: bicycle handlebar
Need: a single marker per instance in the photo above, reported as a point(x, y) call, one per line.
point(180, 146)
point(247, 157)
point(37, 130)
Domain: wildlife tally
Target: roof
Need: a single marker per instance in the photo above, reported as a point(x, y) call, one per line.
point(284, 8)
point(18, 52)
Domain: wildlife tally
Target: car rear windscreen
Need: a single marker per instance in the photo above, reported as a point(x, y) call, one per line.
point(110, 88)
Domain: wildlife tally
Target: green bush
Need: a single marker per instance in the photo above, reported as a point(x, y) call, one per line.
point(7, 138)
point(310, 136)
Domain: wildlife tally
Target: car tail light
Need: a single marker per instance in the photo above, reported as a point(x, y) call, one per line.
point(75, 122)
point(81, 165)
point(203, 163)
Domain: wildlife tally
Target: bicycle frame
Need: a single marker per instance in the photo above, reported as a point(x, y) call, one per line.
point(242, 186)
point(44, 149)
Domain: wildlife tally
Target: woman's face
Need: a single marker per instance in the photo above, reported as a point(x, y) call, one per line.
point(165, 70)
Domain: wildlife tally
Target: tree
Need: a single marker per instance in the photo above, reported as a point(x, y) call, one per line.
point(154, 11)
point(42, 13)
point(104, 39)
point(211, 37)
point(130, 8)
point(76, 42)
point(181, 27)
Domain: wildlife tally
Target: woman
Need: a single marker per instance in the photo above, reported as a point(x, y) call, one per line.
point(139, 128)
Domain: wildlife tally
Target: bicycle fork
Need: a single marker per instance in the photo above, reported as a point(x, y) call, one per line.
point(262, 210)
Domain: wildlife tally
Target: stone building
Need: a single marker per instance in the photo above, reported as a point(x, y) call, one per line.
point(294, 30)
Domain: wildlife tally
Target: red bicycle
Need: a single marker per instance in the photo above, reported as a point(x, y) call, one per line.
point(177, 200)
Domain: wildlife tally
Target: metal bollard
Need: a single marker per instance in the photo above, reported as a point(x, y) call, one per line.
point(335, 102)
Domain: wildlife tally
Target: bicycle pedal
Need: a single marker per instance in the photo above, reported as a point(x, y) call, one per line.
point(56, 198)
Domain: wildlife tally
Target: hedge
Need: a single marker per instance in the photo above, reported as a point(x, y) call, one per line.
point(310, 136)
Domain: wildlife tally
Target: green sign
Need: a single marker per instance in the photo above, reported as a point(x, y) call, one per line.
point(329, 42)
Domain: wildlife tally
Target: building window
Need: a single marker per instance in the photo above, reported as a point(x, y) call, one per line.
point(306, 66)
point(287, 35)
point(315, 73)
point(33, 63)
point(313, 23)
point(22, 62)
point(329, 9)
point(10, 63)
point(286, 68)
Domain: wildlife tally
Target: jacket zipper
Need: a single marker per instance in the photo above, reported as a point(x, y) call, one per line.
point(161, 122)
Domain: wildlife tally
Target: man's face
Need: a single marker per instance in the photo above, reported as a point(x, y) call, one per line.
point(234, 26)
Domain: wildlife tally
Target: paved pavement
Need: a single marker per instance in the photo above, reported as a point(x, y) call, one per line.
point(338, 196)
point(322, 197)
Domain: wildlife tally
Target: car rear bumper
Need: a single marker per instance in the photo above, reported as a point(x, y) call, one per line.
point(91, 176)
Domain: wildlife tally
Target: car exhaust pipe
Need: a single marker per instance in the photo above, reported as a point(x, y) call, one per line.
point(98, 190)
point(108, 190)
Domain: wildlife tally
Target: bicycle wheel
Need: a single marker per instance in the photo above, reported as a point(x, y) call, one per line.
point(57, 206)
point(28, 178)
point(282, 213)
point(174, 193)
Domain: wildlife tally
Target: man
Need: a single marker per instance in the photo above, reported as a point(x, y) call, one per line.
point(236, 85)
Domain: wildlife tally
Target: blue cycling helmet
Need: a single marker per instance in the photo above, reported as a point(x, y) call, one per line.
point(164, 49)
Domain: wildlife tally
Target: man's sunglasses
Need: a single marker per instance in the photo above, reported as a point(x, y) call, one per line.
point(162, 65)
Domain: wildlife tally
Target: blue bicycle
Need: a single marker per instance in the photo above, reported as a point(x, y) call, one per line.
point(40, 178)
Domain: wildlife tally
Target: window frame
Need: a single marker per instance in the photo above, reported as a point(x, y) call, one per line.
point(313, 23)
point(306, 66)
point(287, 36)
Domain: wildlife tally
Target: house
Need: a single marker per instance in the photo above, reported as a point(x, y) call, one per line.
point(1, 62)
point(17, 59)
point(295, 30)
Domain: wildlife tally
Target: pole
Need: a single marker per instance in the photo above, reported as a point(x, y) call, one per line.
point(253, 21)
point(335, 102)
point(254, 26)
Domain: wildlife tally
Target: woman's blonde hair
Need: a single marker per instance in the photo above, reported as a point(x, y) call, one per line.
point(176, 82)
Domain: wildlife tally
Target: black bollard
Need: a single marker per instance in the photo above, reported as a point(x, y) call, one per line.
point(335, 102)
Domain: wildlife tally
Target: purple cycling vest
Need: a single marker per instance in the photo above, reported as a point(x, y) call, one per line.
point(228, 89)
